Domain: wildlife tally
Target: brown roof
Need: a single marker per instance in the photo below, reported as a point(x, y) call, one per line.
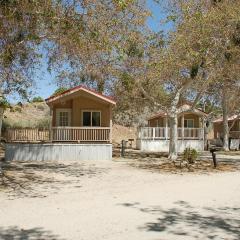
point(232, 118)
point(80, 88)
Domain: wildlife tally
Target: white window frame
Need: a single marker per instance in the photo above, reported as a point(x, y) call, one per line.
point(91, 111)
point(189, 119)
point(69, 111)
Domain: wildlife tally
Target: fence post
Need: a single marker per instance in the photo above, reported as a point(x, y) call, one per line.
point(154, 131)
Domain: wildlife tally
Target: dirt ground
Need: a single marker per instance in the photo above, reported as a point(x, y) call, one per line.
point(118, 200)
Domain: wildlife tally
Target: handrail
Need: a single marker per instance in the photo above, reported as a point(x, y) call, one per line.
point(154, 133)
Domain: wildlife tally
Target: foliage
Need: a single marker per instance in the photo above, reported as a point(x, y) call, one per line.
point(4, 103)
point(59, 91)
point(37, 99)
point(190, 155)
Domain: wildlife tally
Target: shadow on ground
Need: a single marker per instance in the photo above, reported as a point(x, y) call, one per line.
point(15, 233)
point(22, 178)
point(193, 223)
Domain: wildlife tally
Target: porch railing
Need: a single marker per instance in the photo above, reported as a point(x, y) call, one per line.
point(155, 133)
point(58, 134)
point(83, 134)
point(234, 134)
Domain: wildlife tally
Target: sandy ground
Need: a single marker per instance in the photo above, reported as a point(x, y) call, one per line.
point(112, 200)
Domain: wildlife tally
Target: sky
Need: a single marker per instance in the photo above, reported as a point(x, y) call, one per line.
point(45, 81)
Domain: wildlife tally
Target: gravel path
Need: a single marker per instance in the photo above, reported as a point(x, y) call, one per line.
point(114, 201)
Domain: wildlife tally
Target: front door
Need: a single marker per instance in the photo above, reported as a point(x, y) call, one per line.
point(63, 120)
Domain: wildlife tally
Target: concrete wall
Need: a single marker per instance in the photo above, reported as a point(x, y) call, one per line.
point(55, 152)
point(163, 145)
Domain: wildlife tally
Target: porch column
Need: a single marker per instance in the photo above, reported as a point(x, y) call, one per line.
point(110, 123)
point(166, 128)
point(50, 125)
point(182, 124)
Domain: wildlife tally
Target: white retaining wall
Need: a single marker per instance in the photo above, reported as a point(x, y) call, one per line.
point(57, 151)
point(163, 145)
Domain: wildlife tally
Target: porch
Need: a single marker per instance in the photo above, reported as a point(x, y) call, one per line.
point(58, 143)
point(156, 139)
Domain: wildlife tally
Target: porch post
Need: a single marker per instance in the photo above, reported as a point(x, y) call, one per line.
point(166, 128)
point(50, 125)
point(110, 123)
point(182, 124)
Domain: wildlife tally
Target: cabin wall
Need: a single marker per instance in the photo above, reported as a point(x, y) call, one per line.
point(218, 128)
point(160, 121)
point(83, 103)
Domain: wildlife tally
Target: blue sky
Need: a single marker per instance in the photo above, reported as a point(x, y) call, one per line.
point(45, 82)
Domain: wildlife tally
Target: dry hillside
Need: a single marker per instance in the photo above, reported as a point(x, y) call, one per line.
point(37, 115)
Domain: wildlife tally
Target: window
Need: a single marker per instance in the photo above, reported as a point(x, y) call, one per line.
point(91, 118)
point(188, 123)
point(63, 117)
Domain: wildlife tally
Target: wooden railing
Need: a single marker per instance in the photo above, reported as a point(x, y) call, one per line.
point(234, 134)
point(164, 133)
point(83, 134)
point(59, 134)
point(26, 135)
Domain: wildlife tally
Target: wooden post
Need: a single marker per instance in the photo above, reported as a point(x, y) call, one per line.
point(154, 129)
point(166, 128)
point(182, 124)
point(50, 125)
point(110, 123)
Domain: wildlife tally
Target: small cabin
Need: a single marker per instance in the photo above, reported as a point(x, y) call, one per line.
point(155, 137)
point(80, 128)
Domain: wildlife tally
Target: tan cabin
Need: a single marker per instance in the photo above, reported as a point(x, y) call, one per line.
point(155, 137)
point(81, 129)
point(234, 127)
point(81, 114)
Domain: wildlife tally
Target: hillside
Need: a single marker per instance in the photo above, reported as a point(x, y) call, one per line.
point(37, 115)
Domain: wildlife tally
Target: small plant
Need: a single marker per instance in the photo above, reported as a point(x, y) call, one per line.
point(4, 103)
point(37, 99)
point(190, 155)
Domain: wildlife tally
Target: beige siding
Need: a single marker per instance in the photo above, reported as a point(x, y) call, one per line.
point(80, 103)
point(161, 121)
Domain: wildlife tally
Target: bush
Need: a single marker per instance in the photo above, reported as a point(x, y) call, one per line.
point(59, 91)
point(4, 103)
point(37, 99)
point(190, 155)
point(43, 123)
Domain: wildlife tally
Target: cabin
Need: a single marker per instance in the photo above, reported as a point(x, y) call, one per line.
point(80, 129)
point(234, 130)
point(155, 137)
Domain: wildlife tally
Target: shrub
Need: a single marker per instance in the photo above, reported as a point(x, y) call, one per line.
point(37, 99)
point(190, 155)
point(4, 103)
point(59, 90)
point(40, 107)
point(43, 123)
point(18, 109)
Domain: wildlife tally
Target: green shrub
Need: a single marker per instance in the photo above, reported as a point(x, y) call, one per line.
point(37, 99)
point(17, 109)
point(59, 91)
point(43, 123)
point(190, 155)
point(4, 103)
point(40, 107)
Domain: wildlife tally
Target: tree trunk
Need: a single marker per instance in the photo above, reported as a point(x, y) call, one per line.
point(225, 122)
point(173, 144)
